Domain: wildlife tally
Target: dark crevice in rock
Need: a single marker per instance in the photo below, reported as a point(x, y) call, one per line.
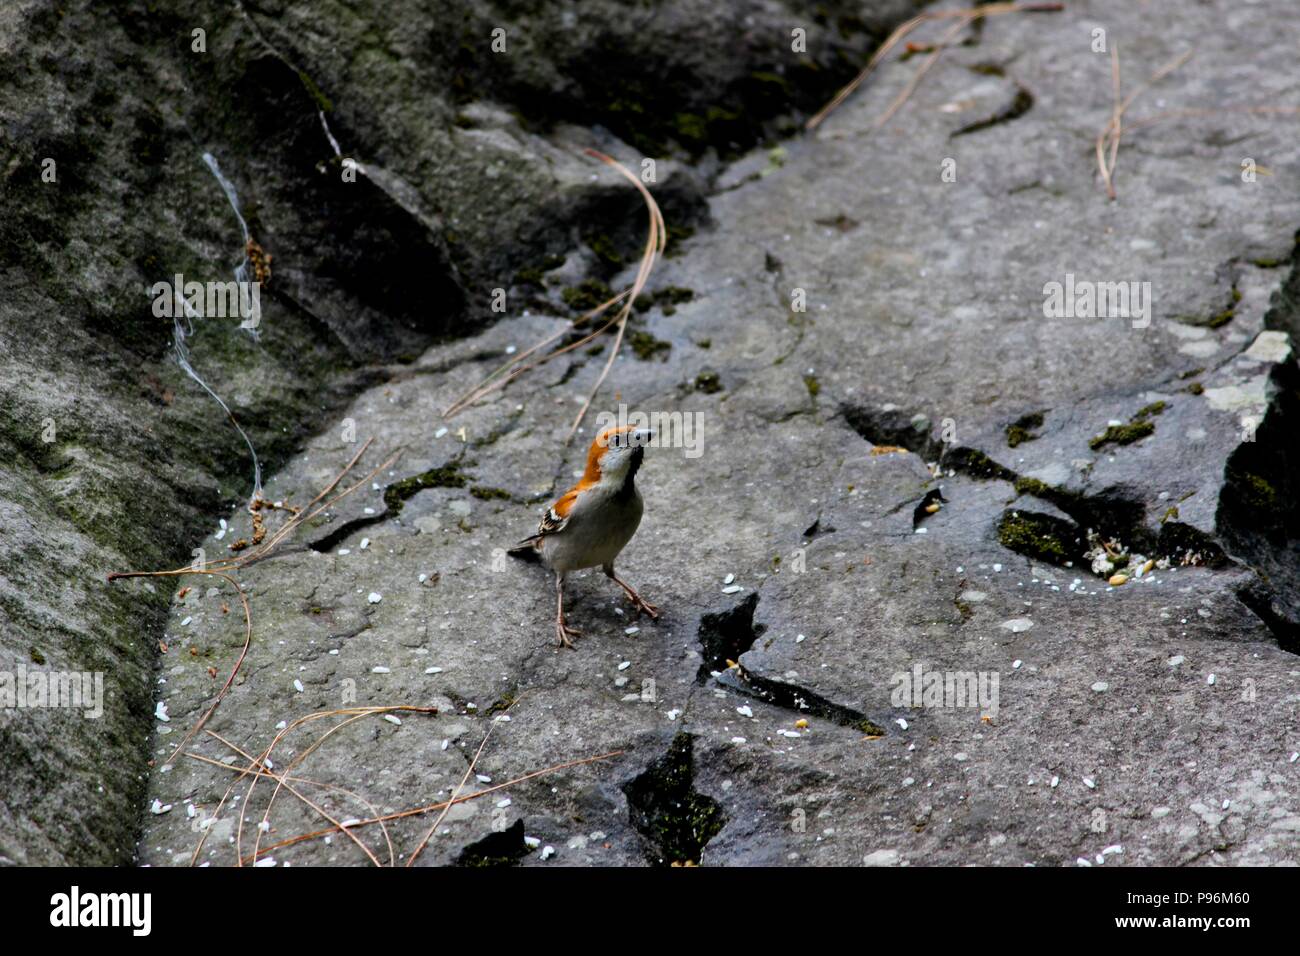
point(933, 498)
point(1113, 513)
point(397, 494)
point(802, 701)
point(675, 821)
point(1259, 511)
point(816, 530)
point(1022, 101)
point(343, 531)
point(501, 848)
point(726, 635)
point(893, 427)
point(1276, 610)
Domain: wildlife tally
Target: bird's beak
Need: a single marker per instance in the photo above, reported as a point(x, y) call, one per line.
point(642, 437)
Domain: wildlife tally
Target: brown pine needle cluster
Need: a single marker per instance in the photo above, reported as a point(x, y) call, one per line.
point(1108, 138)
point(226, 567)
point(261, 767)
point(656, 241)
point(964, 18)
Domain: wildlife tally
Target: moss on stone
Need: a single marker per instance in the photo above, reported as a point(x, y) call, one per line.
point(646, 346)
point(1035, 536)
point(1122, 434)
point(1138, 427)
point(484, 493)
point(396, 494)
point(1258, 492)
point(1032, 486)
point(1022, 429)
point(603, 246)
point(586, 295)
point(813, 385)
point(1226, 315)
point(667, 298)
point(531, 276)
point(708, 382)
point(676, 236)
point(977, 464)
point(316, 93)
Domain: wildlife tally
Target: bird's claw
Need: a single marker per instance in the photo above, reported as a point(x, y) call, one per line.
point(563, 632)
point(641, 604)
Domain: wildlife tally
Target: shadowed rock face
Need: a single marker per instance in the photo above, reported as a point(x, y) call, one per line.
point(1151, 716)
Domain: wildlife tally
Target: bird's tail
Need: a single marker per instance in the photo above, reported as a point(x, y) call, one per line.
point(526, 550)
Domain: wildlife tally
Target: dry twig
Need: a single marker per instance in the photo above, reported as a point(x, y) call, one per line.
point(1111, 132)
point(224, 568)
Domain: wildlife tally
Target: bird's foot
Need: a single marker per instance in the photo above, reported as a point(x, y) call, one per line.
point(563, 632)
point(641, 604)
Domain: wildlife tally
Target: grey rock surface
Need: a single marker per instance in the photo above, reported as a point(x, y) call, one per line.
point(919, 473)
point(112, 457)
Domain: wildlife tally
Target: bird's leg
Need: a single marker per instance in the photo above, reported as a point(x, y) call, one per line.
point(640, 603)
point(562, 631)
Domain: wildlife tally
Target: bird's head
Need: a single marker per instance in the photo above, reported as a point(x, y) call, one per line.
point(616, 454)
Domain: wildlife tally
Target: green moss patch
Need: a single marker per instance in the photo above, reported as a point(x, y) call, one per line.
point(586, 295)
point(1139, 427)
point(708, 382)
point(1039, 536)
point(646, 346)
point(1023, 428)
point(396, 494)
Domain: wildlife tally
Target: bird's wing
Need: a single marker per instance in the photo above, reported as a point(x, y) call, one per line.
point(557, 515)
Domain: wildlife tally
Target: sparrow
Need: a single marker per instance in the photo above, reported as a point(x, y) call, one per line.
point(594, 520)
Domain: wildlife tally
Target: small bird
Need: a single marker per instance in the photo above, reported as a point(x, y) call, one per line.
point(594, 520)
